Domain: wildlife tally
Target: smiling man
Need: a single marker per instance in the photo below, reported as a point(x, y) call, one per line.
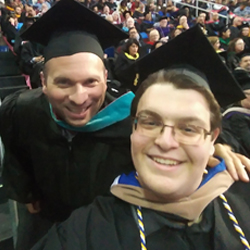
point(60, 151)
point(170, 201)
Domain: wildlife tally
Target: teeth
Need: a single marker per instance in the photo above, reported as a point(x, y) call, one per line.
point(77, 111)
point(165, 161)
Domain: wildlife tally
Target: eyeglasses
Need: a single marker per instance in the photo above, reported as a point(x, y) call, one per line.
point(184, 133)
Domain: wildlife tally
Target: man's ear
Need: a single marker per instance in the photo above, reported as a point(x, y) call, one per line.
point(106, 77)
point(215, 134)
point(43, 81)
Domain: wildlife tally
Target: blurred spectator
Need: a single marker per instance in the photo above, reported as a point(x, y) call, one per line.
point(245, 63)
point(32, 62)
point(234, 28)
point(116, 18)
point(219, 7)
point(244, 34)
point(126, 14)
point(128, 57)
point(109, 18)
point(18, 40)
point(133, 33)
point(112, 5)
point(147, 23)
point(157, 45)
point(183, 24)
point(215, 25)
point(235, 46)
point(232, 5)
point(88, 3)
point(95, 9)
point(163, 27)
point(105, 11)
point(176, 33)
point(154, 36)
point(215, 42)
point(224, 36)
point(135, 5)
point(238, 116)
point(151, 7)
point(30, 12)
point(139, 12)
point(243, 10)
point(44, 9)
point(129, 23)
point(123, 6)
point(171, 9)
point(100, 4)
point(40, 3)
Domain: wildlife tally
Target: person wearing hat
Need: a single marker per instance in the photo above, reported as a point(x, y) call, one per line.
point(163, 28)
point(147, 23)
point(54, 162)
point(171, 200)
point(244, 34)
point(65, 143)
point(237, 117)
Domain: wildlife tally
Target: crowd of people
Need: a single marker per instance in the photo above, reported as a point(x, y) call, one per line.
point(68, 138)
point(151, 24)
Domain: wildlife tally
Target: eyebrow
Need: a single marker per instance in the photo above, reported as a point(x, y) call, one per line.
point(64, 78)
point(182, 119)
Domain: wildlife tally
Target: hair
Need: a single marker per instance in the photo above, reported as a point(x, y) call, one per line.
point(125, 12)
point(129, 43)
point(180, 80)
point(132, 28)
point(231, 45)
point(154, 46)
point(213, 39)
point(224, 30)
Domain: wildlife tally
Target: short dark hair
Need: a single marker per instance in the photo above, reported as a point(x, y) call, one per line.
point(132, 28)
point(180, 81)
point(129, 43)
point(154, 46)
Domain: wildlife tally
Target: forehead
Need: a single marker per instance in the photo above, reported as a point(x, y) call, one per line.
point(154, 33)
point(171, 103)
point(83, 63)
point(245, 58)
point(240, 41)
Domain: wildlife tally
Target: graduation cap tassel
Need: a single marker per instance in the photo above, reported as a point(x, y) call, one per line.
point(235, 222)
point(142, 229)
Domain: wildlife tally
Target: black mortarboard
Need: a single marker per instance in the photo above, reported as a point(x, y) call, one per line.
point(245, 52)
point(191, 48)
point(163, 18)
point(243, 78)
point(244, 25)
point(69, 27)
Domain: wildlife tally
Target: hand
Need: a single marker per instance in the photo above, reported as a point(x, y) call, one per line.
point(164, 39)
point(38, 59)
point(33, 207)
point(237, 165)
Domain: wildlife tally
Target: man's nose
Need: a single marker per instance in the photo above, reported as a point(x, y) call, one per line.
point(166, 139)
point(79, 94)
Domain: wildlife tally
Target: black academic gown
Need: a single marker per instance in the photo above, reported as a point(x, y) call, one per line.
point(240, 129)
point(110, 223)
point(30, 50)
point(40, 163)
point(122, 63)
